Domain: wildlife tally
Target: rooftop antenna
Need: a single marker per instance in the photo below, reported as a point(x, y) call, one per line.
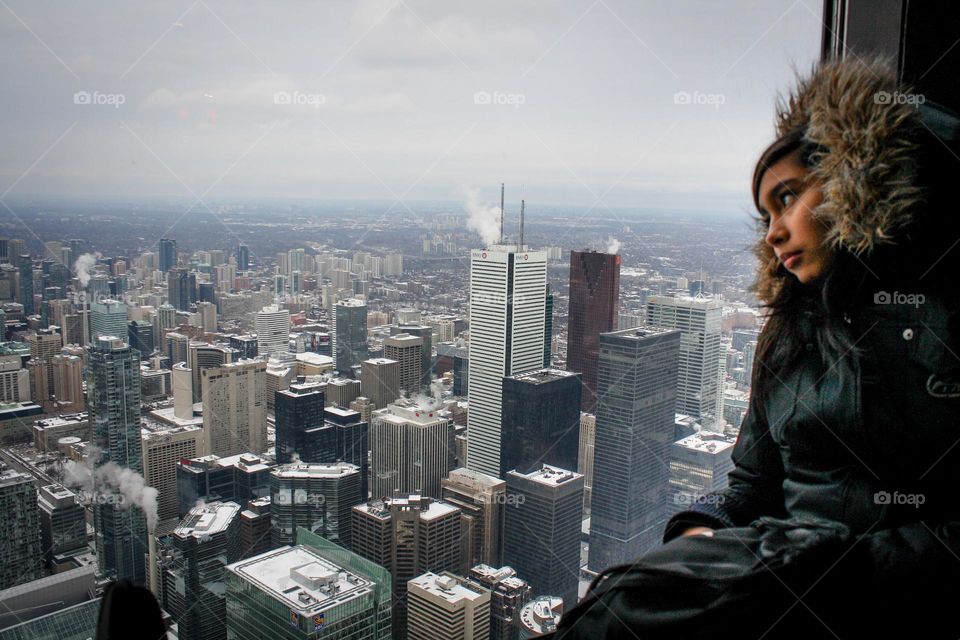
point(501, 213)
point(522, 202)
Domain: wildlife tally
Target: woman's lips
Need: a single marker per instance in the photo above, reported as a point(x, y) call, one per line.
point(790, 259)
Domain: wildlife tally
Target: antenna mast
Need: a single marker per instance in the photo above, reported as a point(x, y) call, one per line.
point(501, 213)
point(522, 203)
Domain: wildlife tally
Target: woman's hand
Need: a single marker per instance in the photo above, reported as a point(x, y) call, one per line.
point(697, 531)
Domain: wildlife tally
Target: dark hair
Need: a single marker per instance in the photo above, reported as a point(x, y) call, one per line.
point(129, 611)
point(782, 341)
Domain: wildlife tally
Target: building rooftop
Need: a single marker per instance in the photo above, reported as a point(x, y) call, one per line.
point(446, 586)
point(407, 411)
point(475, 479)
point(315, 359)
point(552, 476)
point(301, 579)
point(540, 376)
point(541, 615)
point(315, 470)
point(208, 519)
point(10, 477)
point(380, 361)
point(707, 442)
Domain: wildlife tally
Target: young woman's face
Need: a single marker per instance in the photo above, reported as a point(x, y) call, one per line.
point(787, 199)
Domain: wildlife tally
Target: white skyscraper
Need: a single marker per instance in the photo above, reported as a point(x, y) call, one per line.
point(699, 392)
point(273, 330)
point(508, 286)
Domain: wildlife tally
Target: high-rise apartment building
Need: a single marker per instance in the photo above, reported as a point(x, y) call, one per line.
point(235, 408)
point(317, 497)
point(411, 449)
point(507, 305)
point(113, 404)
point(541, 420)
point(447, 606)
point(636, 383)
point(21, 556)
point(163, 448)
point(594, 305)
point(542, 530)
point(699, 392)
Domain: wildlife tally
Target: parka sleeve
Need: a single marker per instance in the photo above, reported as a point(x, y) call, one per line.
point(755, 484)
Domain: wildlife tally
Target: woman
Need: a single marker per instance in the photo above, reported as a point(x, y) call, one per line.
point(854, 419)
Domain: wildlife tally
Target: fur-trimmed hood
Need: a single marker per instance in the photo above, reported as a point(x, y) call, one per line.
point(865, 128)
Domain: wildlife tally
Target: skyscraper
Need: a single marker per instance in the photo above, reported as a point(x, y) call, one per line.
point(481, 498)
point(243, 257)
point(235, 408)
point(636, 389)
point(178, 289)
point(699, 465)
point(352, 441)
point(25, 290)
point(163, 447)
point(408, 351)
point(548, 328)
point(542, 529)
point(350, 333)
point(594, 305)
point(108, 318)
point(273, 331)
point(541, 420)
point(408, 536)
point(113, 402)
point(425, 333)
point(63, 524)
point(507, 305)
point(168, 254)
point(508, 595)
point(380, 381)
point(699, 392)
point(296, 592)
point(411, 449)
point(21, 557)
point(317, 497)
point(447, 606)
point(300, 422)
point(195, 556)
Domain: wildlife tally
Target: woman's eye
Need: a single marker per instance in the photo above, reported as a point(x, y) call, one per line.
point(786, 199)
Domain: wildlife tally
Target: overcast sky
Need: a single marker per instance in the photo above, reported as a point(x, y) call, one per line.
point(631, 102)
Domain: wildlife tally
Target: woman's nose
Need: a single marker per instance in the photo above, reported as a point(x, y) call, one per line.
point(776, 233)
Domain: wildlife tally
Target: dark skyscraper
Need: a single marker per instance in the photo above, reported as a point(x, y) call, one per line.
point(26, 284)
point(243, 257)
point(637, 389)
point(113, 402)
point(168, 254)
point(541, 420)
point(178, 289)
point(594, 305)
point(548, 329)
point(351, 334)
point(300, 426)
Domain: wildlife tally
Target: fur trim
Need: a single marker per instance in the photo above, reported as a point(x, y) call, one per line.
point(866, 162)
